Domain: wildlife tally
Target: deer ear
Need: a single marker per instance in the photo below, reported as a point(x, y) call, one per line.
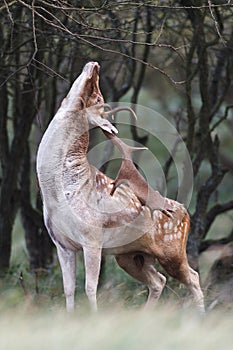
point(104, 124)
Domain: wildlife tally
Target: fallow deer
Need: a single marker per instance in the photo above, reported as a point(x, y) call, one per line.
point(85, 210)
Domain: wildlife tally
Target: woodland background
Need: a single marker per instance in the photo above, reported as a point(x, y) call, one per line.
point(173, 56)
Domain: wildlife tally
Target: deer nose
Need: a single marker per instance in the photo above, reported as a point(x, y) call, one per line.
point(93, 63)
point(90, 66)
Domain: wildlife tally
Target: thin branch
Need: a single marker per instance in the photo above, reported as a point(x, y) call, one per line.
point(7, 6)
point(215, 211)
point(221, 119)
point(200, 154)
point(8, 10)
point(188, 90)
point(34, 31)
point(216, 22)
point(140, 78)
point(51, 70)
point(171, 7)
point(4, 138)
point(98, 29)
point(126, 41)
point(125, 4)
point(170, 159)
point(223, 62)
point(140, 43)
point(12, 74)
point(160, 31)
point(26, 65)
point(27, 294)
point(89, 43)
point(212, 242)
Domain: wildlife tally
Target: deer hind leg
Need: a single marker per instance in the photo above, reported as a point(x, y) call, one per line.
point(195, 288)
point(92, 261)
point(141, 267)
point(185, 274)
point(67, 259)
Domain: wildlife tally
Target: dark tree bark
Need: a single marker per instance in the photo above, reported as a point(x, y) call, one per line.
point(7, 206)
point(199, 128)
point(9, 196)
point(38, 242)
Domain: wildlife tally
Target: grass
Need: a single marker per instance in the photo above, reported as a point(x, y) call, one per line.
point(28, 327)
point(36, 319)
point(32, 313)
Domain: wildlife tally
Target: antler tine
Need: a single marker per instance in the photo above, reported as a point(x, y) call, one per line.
point(125, 149)
point(129, 174)
point(118, 109)
point(106, 105)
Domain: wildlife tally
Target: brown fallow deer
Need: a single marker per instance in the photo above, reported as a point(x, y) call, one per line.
point(86, 210)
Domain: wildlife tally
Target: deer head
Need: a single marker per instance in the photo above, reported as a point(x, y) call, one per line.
point(85, 91)
point(97, 116)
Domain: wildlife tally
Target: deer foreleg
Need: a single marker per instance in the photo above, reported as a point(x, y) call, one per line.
point(92, 260)
point(67, 259)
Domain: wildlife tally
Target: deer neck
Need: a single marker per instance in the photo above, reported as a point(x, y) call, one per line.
point(61, 160)
point(77, 136)
point(75, 168)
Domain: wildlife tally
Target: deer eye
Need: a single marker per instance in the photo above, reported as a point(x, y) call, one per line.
point(98, 99)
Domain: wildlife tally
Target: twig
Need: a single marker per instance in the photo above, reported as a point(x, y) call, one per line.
point(34, 31)
point(213, 242)
point(160, 31)
point(8, 10)
point(150, 4)
point(173, 291)
point(215, 211)
point(216, 23)
point(24, 287)
point(62, 27)
point(224, 117)
point(51, 70)
point(36, 283)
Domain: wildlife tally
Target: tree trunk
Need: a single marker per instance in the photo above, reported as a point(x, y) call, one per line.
point(11, 161)
point(8, 192)
point(38, 242)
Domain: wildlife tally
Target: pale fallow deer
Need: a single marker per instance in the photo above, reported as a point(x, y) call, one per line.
point(86, 210)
